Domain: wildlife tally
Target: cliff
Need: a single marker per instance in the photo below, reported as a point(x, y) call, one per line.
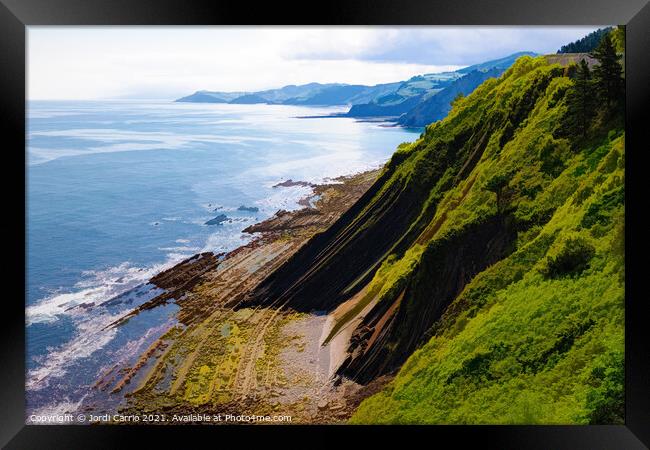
point(484, 266)
point(477, 278)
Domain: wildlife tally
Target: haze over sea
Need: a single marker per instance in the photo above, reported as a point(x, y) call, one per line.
point(119, 190)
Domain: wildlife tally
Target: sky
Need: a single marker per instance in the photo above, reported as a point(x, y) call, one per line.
point(92, 63)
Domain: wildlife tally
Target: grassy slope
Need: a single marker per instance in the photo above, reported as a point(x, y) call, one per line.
point(533, 338)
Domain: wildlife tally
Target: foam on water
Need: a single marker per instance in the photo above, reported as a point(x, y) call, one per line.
point(219, 243)
point(286, 198)
point(96, 287)
point(90, 337)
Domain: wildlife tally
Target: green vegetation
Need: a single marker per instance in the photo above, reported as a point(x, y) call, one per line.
point(497, 184)
point(618, 38)
point(596, 100)
point(572, 258)
point(211, 363)
point(486, 263)
point(533, 164)
point(610, 86)
point(457, 99)
point(581, 102)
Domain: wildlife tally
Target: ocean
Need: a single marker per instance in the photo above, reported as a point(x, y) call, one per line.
point(119, 190)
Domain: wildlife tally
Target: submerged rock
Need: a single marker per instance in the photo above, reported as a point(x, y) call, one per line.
point(221, 218)
point(291, 183)
point(248, 208)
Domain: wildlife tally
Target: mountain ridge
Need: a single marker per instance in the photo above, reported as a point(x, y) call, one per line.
point(381, 100)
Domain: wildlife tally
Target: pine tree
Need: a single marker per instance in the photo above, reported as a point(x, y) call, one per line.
point(610, 86)
point(581, 102)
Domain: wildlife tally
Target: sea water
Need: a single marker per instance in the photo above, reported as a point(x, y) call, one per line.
point(119, 190)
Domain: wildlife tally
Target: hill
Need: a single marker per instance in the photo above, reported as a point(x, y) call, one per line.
point(438, 106)
point(418, 98)
point(211, 97)
point(306, 94)
point(248, 99)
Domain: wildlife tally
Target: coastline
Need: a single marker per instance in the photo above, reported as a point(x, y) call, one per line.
point(97, 281)
point(382, 121)
point(475, 276)
point(222, 358)
point(293, 228)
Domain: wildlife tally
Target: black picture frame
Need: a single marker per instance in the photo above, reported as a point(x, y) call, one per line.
point(15, 15)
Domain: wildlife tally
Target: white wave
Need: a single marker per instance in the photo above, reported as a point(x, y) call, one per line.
point(286, 198)
point(90, 337)
point(178, 257)
point(95, 287)
point(49, 309)
point(91, 334)
point(180, 249)
point(226, 242)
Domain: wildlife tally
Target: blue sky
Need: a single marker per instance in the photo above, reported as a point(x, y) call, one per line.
point(168, 62)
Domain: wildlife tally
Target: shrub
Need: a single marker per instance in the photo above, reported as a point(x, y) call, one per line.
point(573, 258)
point(607, 400)
point(600, 211)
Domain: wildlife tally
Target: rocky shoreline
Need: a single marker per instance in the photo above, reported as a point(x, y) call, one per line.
point(223, 357)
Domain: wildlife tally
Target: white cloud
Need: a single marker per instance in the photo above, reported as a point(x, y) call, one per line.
point(167, 62)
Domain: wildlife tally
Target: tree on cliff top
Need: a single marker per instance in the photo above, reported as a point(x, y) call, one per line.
point(609, 82)
point(581, 102)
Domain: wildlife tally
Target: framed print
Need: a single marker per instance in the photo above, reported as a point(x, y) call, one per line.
point(405, 219)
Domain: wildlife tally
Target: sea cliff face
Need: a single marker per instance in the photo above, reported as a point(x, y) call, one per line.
point(544, 304)
point(495, 186)
point(398, 215)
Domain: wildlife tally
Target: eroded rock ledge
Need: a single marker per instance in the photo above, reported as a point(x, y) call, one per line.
point(223, 356)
